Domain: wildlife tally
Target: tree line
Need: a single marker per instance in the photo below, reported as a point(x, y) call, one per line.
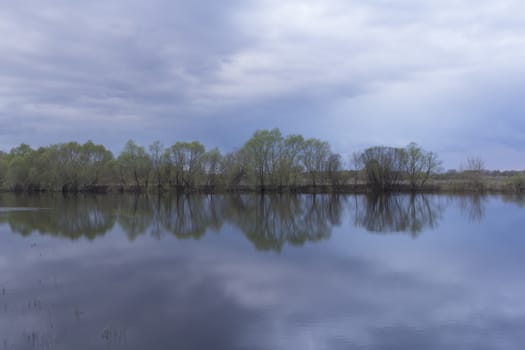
point(268, 161)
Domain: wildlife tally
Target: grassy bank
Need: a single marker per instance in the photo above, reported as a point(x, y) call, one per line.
point(439, 184)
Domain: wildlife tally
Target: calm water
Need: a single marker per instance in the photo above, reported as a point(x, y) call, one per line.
point(272, 272)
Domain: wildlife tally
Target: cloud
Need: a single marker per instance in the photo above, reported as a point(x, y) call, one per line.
point(444, 74)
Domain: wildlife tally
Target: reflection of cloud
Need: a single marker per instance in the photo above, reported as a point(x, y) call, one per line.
point(156, 301)
point(216, 293)
point(367, 304)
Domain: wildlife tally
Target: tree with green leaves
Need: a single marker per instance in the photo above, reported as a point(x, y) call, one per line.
point(315, 159)
point(234, 168)
point(156, 152)
point(263, 151)
point(211, 162)
point(290, 168)
point(334, 169)
point(185, 161)
point(3, 168)
point(134, 165)
point(383, 166)
point(19, 168)
point(96, 161)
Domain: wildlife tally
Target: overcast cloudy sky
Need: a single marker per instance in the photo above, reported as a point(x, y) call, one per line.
point(447, 74)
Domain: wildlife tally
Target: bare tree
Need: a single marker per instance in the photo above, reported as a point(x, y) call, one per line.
point(419, 164)
point(473, 172)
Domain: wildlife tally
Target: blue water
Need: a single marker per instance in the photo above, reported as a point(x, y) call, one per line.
point(252, 272)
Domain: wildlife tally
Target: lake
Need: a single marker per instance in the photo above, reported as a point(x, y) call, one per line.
point(262, 272)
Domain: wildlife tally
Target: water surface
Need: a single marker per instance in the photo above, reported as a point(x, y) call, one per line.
point(261, 272)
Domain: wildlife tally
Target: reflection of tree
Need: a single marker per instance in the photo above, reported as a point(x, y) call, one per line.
point(66, 216)
point(271, 221)
point(516, 198)
point(191, 215)
point(135, 214)
point(473, 206)
point(183, 215)
point(398, 213)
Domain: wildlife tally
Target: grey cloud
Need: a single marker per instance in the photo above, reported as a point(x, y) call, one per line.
point(352, 72)
point(81, 63)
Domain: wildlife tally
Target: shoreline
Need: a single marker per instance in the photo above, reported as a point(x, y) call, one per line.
point(449, 188)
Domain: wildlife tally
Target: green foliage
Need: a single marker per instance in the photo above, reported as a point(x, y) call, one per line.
point(263, 152)
point(67, 167)
point(315, 158)
point(290, 166)
point(334, 169)
point(185, 162)
point(156, 153)
point(95, 162)
point(134, 165)
point(3, 172)
point(383, 166)
point(211, 162)
point(276, 161)
point(387, 167)
point(21, 172)
point(234, 168)
point(267, 160)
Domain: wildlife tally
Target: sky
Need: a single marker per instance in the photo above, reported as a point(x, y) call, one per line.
point(446, 74)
